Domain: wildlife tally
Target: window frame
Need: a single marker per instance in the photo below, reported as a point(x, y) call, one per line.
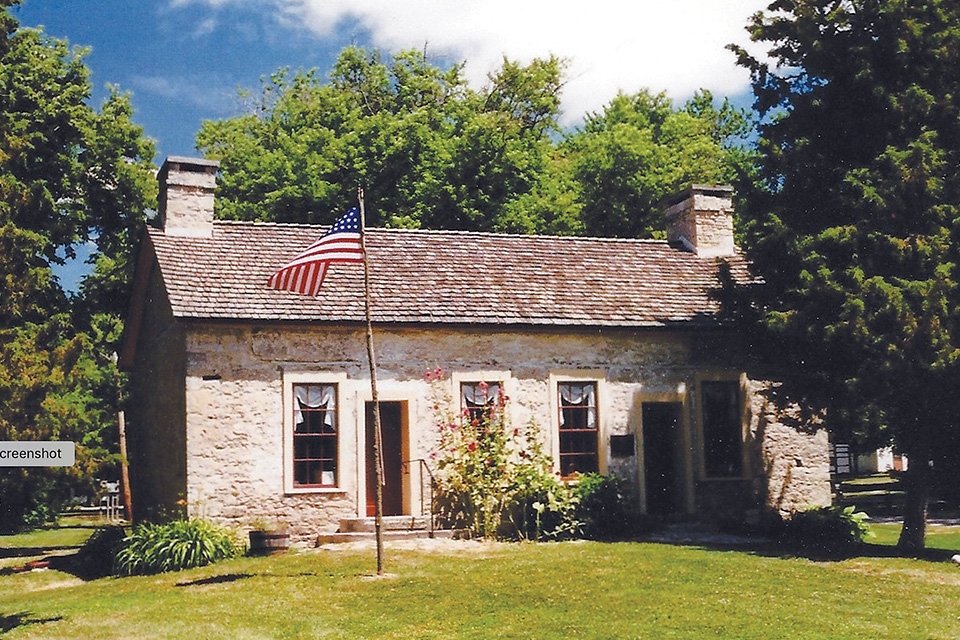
point(318, 440)
point(503, 377)
point(601, 452)
point(291, 380)
point(738, 382)
point(467, 412)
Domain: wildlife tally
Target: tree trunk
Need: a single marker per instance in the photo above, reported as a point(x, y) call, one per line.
point(914, 529)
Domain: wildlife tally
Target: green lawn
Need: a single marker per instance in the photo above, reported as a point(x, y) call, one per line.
point(938, 536)
point(486, 590)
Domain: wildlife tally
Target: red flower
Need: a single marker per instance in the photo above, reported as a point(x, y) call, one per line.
point(472, 446)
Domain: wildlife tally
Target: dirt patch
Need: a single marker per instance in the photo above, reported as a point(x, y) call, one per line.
point(442, 545)
point(939, 573)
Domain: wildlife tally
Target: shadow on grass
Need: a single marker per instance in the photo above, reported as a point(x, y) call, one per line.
point(221, 579)
point(9, 622)
point(23, 552)
point(771, 548)
point(76, 566)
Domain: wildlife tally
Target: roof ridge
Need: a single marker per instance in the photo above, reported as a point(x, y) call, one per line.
point(449, 232)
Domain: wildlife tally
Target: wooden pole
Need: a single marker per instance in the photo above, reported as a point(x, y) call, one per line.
point(377, 440)
point(125, 467)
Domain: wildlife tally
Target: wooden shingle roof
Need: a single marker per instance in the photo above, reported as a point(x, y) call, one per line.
point(446, 277)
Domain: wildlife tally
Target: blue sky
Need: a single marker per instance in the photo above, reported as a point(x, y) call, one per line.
point(184, 60)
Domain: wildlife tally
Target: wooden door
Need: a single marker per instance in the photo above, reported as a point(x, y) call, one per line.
point(391, 432)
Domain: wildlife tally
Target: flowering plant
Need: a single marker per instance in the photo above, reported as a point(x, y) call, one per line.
point(495, 479)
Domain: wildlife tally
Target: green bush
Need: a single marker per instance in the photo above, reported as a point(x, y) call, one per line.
point(30, 497)
point(541, 508)
point(828, 530)
point(606, 510)
point(177, 545)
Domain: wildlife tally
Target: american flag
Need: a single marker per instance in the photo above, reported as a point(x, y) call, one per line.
point(304, 274)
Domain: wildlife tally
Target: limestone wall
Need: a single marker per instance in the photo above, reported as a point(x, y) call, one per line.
point(235, 380)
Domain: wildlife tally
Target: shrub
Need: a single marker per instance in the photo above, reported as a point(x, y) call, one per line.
point(177, 545)
point(30, 497)
point(827, 530)
point(606, 511)
point(541, 507)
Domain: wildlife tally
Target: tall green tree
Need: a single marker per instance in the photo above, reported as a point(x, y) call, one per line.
point(640, 149)
point(68, 174)
point(858, 243)
point(428, 150)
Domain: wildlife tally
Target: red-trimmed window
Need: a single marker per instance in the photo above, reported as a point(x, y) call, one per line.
point(579, 433)
point(478, 399)
point(315, 435)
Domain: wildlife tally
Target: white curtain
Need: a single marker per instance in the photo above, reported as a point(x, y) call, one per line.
point(473, 395)
point(580, 394)
point(314, 397)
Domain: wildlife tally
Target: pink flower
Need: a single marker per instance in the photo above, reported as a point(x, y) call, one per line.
point(472, 446)
point(432, 375)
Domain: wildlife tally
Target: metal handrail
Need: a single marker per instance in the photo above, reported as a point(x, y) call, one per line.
point(433, 483)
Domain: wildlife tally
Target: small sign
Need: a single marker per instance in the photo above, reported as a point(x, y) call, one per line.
point(622, 446)
point(37, 454)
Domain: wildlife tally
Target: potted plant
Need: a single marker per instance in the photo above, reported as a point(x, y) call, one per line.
point(268, 538)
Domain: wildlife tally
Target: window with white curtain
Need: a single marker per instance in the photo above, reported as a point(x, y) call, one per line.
point(315, 435)
point(579, 433)
point(478, 398)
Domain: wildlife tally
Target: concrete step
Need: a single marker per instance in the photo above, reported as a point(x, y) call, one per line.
point(390, 523)
point(365, 536)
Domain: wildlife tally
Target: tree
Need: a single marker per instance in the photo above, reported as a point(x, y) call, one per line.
point(429, 151)
point(858, 243)
point(640, 149)
point(68, 174)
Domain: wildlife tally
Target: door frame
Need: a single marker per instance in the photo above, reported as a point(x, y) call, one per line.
point(668, 444)
point(686, 501)
point(364, 397)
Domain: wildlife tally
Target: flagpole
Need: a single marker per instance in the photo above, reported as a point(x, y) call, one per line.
point(377, 440)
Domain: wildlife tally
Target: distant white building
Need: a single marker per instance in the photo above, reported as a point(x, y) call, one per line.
point(881, 461)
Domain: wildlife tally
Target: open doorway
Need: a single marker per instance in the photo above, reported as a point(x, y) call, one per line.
point(661, 455)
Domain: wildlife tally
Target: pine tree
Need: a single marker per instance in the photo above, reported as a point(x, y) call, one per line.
point(858, 240)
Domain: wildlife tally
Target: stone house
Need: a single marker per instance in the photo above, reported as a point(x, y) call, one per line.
point(250, 403)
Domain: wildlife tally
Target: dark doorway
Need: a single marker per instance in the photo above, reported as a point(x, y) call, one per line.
point(391, 432)
point(661, 437)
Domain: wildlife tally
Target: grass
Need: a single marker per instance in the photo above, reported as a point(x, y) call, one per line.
point(485, 590)
point(56, 540)
point(68, 533)
point(938, 536)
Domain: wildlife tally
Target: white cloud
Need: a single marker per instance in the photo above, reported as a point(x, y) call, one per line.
point(675, 46)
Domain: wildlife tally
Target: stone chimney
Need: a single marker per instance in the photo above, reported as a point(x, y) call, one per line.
point(700, 219)
point(186, 196)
